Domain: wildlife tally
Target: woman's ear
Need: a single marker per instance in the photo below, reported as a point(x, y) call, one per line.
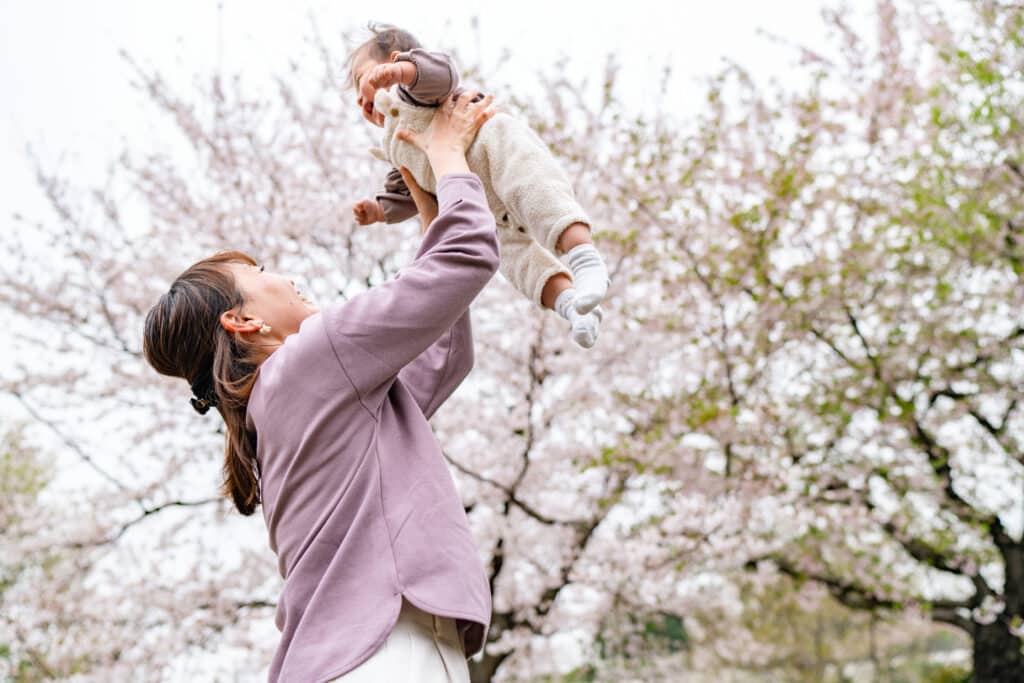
point(233, 321)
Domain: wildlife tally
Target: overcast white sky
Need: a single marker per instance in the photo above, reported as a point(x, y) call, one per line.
point(65, 90)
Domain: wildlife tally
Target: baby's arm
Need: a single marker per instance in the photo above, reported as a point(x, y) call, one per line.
point(395, 200)
point(393, 204)
point(432, 78)
point(436, 77)
point(424, 79)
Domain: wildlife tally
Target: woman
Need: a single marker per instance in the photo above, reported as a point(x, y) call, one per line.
point(326, 415)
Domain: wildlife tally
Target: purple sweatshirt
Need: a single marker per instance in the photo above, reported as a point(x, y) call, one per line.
point(359, 503)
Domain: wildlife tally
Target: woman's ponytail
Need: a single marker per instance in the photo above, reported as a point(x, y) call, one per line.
point(184, 338)
point(233, 380)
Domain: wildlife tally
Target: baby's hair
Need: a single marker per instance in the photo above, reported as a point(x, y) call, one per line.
point(385, 40)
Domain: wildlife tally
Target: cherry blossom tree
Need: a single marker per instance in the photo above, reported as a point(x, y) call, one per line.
point(809, 365)
point(538, 439)
point(857, 243)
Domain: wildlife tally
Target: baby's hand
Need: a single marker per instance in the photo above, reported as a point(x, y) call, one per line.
point(384, 76)
point(367, 211)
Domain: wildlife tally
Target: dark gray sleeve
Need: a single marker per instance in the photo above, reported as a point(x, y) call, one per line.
point(436, 78)
point(396, 201)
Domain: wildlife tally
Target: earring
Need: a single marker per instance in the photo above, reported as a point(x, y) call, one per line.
point(265, 328)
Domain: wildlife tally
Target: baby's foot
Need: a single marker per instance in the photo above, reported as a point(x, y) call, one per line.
point(585, 326)
point(589, 276)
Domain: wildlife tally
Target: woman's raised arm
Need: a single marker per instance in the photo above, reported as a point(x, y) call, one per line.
point(379, 332)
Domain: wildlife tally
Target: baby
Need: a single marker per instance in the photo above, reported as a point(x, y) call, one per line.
point(399, 85)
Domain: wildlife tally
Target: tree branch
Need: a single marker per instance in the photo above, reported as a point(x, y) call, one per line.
point(949, 613)
point(939, 459)
point(849, 594)
point(146, 512)
point(547, 599)
point(510, 494)
point(67, 441)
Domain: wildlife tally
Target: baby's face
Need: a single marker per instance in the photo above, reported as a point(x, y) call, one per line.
point(360, 68)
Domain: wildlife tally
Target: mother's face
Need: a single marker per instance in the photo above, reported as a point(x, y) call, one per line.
point(272, 299)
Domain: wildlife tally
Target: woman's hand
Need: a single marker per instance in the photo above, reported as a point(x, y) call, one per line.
point(426, 204)
point(451, 132)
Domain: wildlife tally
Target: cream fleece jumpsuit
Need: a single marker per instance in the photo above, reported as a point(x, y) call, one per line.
point(529, 194)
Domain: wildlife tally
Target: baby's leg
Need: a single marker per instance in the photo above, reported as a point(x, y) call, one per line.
point(573, 236)
point(589, 272)
point(560, 296)
point(541, 278)
point(531, 268)
point(588, 268)
point(553, 288)
point(531, 183)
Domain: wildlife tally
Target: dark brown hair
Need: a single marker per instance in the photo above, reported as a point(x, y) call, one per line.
point(184, 338)
point(385, 40)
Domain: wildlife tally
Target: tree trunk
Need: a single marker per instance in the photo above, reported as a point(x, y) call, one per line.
point(482, 671)
point(997, 654)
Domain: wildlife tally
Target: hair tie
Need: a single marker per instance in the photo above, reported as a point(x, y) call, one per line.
point(205, 397)
point(201, 405)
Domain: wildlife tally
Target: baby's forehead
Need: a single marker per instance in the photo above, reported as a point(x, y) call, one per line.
point(361, 58)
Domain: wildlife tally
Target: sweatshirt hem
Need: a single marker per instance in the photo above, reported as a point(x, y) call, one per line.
point(372, 650)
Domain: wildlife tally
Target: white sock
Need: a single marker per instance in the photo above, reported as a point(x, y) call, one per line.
point(589, 275)
point(585, 326)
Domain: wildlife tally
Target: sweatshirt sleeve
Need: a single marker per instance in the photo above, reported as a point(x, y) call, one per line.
point(436, 77)
point(395, 200)
point(377, 333)
point(437, 372)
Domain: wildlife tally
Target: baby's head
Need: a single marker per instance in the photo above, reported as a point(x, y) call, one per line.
point(377, 49)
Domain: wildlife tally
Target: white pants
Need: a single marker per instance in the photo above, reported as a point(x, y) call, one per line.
point(422, 648)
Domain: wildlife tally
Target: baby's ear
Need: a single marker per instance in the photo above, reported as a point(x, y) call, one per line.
point(394, 55)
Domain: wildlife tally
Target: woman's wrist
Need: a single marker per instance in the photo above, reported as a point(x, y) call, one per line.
point(448, 160)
